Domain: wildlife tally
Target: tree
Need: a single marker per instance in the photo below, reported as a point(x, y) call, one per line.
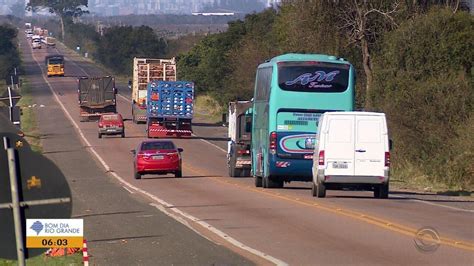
point(365, 21)
point(18, 9)
point(65, 9)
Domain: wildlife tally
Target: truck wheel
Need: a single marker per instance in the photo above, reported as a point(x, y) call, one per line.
point(245, 172)
point(269, 182)
point(258, 181)
point(100, 136)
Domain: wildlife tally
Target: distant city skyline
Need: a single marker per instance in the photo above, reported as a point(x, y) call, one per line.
point(127, 7)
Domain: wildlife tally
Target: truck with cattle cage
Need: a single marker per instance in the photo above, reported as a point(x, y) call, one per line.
point(169, 110)
point(240, 136)
point(146, 70)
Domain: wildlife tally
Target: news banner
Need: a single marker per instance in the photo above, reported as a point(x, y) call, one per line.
point(54, 233)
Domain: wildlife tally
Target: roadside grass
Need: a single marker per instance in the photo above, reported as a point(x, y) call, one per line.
point(206, 109)
point(29, 124)
point(70, 260)
point(407, 176)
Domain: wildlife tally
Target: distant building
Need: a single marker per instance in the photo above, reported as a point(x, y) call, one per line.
point(213, 14)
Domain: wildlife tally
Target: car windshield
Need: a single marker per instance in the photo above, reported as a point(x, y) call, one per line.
point(110, 117)
point(161, 145)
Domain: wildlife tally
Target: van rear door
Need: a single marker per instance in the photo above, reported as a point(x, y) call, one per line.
point(371, 135)
point(339, 148)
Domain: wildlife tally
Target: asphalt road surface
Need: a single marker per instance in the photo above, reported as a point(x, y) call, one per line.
point(265, 226)
point(121, 228)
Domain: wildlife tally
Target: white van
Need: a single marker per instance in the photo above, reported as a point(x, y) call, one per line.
point(352, 150)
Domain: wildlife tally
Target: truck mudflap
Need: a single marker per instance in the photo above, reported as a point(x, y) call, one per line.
point(157, 131)
point(243, 163)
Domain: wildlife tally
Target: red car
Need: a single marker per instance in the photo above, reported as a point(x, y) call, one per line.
point(157, 157)
point(111, 124)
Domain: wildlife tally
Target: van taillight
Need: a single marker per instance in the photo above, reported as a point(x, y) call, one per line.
point(273, 142)
point(387, 159)
point(321, 158)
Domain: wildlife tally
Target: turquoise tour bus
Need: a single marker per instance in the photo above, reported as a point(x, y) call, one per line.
point(291, 92)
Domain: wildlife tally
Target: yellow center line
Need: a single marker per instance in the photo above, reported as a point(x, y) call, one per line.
point(382, 223)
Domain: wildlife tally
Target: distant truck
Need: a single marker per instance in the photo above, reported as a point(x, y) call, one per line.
point(97, 95)
point(169, 108)
point(144, 71)
point(50, 42)
point(240, 134)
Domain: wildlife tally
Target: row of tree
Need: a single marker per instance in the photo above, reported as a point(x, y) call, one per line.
point(413, 61)
point(9, 57)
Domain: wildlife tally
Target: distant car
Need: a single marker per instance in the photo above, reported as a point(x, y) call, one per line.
point(36, 44)
point(157, 157)
point(29, 35)
point(111, 124)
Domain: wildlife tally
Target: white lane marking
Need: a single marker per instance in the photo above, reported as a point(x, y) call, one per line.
point(127, 189)
point(163, 203)
point(432, 204)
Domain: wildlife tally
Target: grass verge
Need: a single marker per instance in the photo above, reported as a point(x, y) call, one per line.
point(29, 124)
point(206, 109)
point(407, 176)
point(71, 260)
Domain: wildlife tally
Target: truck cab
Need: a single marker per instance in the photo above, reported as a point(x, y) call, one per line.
point(240, 137)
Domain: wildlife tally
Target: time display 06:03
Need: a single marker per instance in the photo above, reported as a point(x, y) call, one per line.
point(53, 242)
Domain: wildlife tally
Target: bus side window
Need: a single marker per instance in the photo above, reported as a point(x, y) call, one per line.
point(248, 123)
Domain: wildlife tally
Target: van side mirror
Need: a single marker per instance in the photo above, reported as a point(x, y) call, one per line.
point(180, 150)
point(390, 144)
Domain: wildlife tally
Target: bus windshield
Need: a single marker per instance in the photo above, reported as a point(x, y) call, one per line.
point(55, 61)
point(313, 76)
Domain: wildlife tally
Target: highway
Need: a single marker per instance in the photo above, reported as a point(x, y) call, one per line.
point(276, 226)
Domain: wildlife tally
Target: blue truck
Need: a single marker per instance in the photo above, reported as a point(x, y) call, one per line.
point(169, 108)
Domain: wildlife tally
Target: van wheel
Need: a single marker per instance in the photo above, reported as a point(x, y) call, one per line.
point(123, 134)
point(178, 173)
point(319, 190)
point(381, 191)
point(100, 136)
point(258, 181)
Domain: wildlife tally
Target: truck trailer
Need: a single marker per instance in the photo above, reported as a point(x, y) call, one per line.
point(144, 71)
point(240, 136)
point(97, 95)
point(170, 109)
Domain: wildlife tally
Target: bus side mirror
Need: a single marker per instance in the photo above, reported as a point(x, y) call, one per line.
point(390, 144)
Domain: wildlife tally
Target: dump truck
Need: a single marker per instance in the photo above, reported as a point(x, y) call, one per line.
point(169, 109)
point(240, 136)
point(144, 71)
point(97, 95)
